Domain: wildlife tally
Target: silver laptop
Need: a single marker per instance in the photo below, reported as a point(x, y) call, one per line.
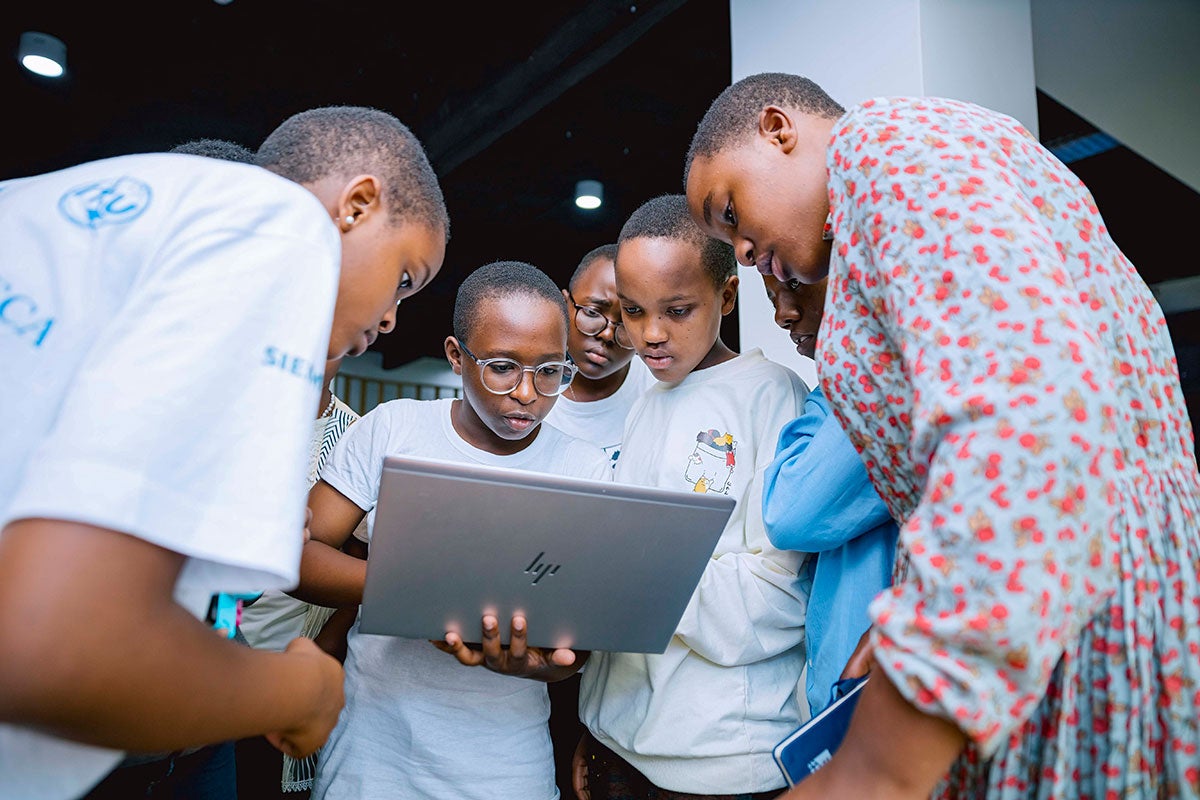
point(593, 565)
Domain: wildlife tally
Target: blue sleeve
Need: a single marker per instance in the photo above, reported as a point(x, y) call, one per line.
point(817, 495)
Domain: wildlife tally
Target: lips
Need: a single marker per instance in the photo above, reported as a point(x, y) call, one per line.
point(801, 340)
point(598, 357)
point(520, 422)
point(657, 361)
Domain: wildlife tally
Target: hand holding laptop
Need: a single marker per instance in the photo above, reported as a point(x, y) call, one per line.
point(516, 659)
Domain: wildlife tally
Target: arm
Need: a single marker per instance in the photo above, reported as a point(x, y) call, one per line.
point(99, 644)
point(749, 604)
point(88, 650)
point(746, 608)
point(1004, 507)
point(817, 495)
point(875, 762)
point(329, 576)
point(332, 638)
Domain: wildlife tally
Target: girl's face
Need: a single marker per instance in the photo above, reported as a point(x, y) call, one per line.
point(768, 196)
point(528, 329)
point(670, 306)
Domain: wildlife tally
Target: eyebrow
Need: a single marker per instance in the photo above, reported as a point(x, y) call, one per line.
point(602, 302)
point(708, 210)
point(511, 356)
point(663, 300)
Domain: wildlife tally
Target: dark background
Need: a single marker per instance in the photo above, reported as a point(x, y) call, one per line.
point(514, 102)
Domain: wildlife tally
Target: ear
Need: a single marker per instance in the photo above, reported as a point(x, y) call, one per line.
point(361, 198)
point(454, 354)
point(567, 298)
point(729, 294)
point(777, 126)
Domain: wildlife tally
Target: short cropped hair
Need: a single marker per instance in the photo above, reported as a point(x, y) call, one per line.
point(605, 251)
point(353, 140)
point(222, 149)
point(667, 217)
point(734, 114)
point(498, 280)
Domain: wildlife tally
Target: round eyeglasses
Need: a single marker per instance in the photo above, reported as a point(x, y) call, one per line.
point(503, 375)
point(591, 322)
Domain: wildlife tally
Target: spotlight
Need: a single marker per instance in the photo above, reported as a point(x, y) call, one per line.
point(42, 54)
point(589, 194)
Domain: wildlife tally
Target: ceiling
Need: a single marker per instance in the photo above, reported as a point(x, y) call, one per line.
point(514, 103)
point(513, 106)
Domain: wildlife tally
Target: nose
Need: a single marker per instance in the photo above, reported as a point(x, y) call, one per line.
point(608, 332)
point(525, 393)
point(654, 331)
point(786, 313)
point(743, 251)
point(389, 319)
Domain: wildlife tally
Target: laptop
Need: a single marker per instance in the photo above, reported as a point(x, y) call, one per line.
point(592, 564)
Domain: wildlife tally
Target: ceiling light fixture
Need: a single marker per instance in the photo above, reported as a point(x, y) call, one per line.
point(589, 194)
point(42, 54)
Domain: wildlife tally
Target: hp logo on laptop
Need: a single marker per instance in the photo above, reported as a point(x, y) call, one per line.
point(539, 569)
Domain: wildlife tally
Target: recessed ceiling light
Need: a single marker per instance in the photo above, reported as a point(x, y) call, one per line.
point(589, 194)
point(42, 54)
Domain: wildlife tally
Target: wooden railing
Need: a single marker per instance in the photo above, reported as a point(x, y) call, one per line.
point(363, 394)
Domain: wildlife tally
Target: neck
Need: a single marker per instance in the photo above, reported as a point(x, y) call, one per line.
point(587, 390)
point(476, 433)
point(719, 354)
point(326, 404)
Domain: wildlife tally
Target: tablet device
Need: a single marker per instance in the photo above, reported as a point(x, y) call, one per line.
point(592, 564)
point(812, 744)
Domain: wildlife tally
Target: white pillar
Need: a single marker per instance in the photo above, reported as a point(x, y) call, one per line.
point(975, 50)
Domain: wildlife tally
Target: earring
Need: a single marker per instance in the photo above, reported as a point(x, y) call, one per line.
point(349, 220)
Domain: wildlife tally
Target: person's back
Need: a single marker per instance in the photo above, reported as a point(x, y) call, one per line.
point(154, 303)
point(702, 717)
point(418, 723)
point(1010, 384)
point(1128, 424)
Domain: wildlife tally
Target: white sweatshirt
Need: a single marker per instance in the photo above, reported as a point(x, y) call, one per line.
point(704, 716)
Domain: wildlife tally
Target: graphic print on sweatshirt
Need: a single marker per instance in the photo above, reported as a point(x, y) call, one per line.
point(710, 465)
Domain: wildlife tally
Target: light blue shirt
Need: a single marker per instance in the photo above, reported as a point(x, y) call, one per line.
point(817, 499)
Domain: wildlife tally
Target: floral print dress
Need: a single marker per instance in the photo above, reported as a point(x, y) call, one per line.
point(1009, 380)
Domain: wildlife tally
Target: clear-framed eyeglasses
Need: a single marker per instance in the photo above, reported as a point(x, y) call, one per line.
point(503, 375)
point(591, 322)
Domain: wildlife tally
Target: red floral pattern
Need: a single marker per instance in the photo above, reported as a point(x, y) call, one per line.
point(1010, 383)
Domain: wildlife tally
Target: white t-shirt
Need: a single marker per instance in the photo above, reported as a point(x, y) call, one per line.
point(275, 618)
point(416, 722)
point(703, 717)
point(602, 422)
point(164, 321)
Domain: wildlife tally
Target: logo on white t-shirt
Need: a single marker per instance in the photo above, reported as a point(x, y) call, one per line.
point(298, 366)
point(115, 201)
point(19, 314)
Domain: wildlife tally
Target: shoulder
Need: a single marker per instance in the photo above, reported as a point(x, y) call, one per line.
point(573, 455)
point(395, 415)
point(761, 373)
point(407, 410)
point(213, 193)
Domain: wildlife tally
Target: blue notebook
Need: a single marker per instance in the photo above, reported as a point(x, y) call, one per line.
point(808, 747)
